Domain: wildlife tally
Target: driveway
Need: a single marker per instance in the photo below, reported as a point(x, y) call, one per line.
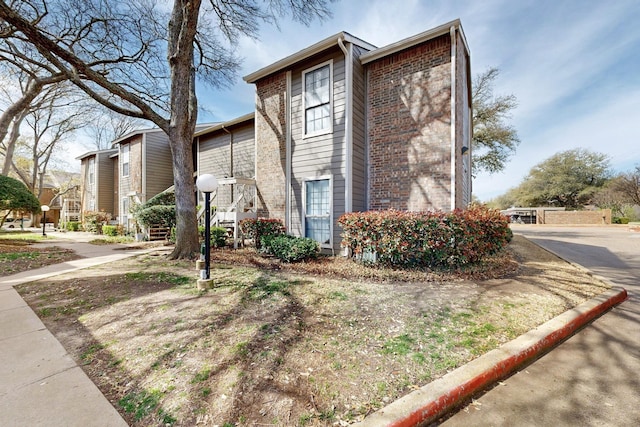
point(592, 379)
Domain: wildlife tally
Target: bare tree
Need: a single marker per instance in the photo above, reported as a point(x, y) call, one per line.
point(112, 51)
point(52, 120)
point(107, 126)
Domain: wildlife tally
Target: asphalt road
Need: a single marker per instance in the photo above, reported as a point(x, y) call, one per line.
point(592, 379)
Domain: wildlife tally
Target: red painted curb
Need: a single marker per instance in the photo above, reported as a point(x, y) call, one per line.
point(437, 406)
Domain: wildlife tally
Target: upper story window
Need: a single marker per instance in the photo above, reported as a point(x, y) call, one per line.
point(91, 172)
point(125, 159)
point(317, 99)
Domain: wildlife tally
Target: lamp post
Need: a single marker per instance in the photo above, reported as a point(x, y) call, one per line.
point(44, 209)
point(207, 183)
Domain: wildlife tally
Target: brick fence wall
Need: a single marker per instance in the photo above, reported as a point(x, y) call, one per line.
point(574, 217)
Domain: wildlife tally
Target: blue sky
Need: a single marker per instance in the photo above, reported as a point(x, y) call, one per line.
point(573, 65)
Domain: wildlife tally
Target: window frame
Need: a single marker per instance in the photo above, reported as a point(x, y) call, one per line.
point(305, 73)
point(91, 172)
point(329, 215)
point(126, 155)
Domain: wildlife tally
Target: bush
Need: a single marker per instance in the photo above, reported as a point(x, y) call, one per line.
point(218, 236)
point(162, 215)
point(72, 226)
point(427, 239)
point(620, 220)
point(257, 228)
point(290, 248)
point(94, 220)
point(110, 230)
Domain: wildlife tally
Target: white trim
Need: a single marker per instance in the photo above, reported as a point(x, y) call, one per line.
point(304, 207)
point(348, 125)
point(454, 151)
point(409, 42)
point(228, 123)
point(304, 54)
point(288, 152)
point(304, 107)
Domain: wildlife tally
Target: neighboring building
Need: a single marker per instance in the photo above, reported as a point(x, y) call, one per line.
point(340, 126)
point(98, 171)
point(343, 126)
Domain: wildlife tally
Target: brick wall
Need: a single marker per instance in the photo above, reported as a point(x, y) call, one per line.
point(409, 130)
point(574, 217)
point(271, 145)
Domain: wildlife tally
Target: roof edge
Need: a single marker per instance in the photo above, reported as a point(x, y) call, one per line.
point(94, 152)
point(304, 54)
point(237, 120)
point(410, 42)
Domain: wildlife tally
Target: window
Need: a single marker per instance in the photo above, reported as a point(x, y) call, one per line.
point(317, 100)
point(91, 171)
point(318, 210)
point(125, 211)
point(125, 160)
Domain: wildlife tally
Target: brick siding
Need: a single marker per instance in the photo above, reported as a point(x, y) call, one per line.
point(409, 119)
point(271, 145)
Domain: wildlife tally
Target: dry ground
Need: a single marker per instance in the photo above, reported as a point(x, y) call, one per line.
point(18, 255)
point(323, 343)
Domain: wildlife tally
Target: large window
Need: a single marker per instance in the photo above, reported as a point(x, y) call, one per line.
point(318, 210)
point(317, 100)
point(125, 160)
point(125, 212)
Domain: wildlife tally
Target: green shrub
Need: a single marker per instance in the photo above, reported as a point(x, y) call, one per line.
point(620, 220)
point(72, 226)
point(94, 220)
point(426, 239)
point(257, 228)
point(290, 248)
point(161, 215)
point(110, 230)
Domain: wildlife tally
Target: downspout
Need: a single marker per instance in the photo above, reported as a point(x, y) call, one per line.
point(452, 32)
point(287, 173)
point(348, 123)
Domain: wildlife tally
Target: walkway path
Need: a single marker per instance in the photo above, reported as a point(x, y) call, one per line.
point(40, 384)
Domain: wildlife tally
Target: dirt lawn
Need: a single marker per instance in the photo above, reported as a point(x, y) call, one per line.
point(324, 343)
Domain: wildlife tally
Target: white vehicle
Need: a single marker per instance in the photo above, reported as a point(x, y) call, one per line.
point(15, 223)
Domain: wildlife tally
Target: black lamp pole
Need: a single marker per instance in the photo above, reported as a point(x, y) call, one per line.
point(44, 222)
point(207, 233)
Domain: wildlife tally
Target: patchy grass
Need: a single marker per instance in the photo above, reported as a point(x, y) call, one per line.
point(17, 254)
point(111, 240)
point(310, 344)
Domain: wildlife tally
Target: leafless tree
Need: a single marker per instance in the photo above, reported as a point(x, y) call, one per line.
point(121, 55)
point(51, 121)
point(107, 126)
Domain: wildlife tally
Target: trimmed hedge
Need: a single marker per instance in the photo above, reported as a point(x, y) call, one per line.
point(257, 228)
point(290, 248)
point(218, 236)
point(426, 239)
point(162, 215)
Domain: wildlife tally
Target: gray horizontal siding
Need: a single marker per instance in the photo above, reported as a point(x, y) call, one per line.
point(159, 168)
point(318, 155)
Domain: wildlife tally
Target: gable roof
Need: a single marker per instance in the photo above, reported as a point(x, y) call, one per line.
point(93, 153)
point(412, 41)
point(306, 53)
point(245, 118)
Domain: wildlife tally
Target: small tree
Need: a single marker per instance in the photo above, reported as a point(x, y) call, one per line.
point(14, 196)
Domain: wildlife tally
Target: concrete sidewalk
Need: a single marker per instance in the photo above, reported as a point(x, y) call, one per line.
point(40, 384)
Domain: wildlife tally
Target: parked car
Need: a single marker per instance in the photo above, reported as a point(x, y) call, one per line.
point(15, 222)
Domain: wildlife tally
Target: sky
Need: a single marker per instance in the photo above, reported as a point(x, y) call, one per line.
point(574, 67)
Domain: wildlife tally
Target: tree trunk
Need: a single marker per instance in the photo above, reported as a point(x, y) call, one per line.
point(184, 113)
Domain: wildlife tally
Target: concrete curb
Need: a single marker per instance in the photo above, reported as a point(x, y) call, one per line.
point(438, 397)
